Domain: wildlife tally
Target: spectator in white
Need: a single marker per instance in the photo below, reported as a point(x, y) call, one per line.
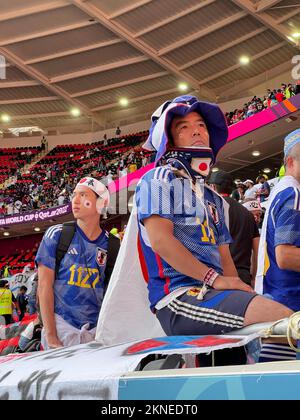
point(10, 209)
point(61, 199)
point(263, 192)
point(109, 177)
point(70, 299)
point(130, 157)
point(17, 206)
point(250, 191)
point(145, 161)
point(124, 171)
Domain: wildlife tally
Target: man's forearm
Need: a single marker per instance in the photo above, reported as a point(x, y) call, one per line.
point(46, 300)
point(288, 257)
point(180, 258)
point(229, 269)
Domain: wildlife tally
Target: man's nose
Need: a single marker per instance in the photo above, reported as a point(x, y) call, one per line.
point(196, 130)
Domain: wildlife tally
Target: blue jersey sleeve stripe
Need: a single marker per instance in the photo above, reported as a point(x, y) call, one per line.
point(296, 202)
point(162, 174)
point(53, 230)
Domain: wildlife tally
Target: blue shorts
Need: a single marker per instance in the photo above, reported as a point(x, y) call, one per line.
point(220, 312)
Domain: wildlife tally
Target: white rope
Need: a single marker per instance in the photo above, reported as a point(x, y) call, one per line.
point(293, 326)
point(292, 330)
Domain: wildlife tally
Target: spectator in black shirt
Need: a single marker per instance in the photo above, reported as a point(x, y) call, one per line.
point(242, 228)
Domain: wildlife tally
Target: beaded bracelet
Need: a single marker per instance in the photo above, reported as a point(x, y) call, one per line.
point(210, 277)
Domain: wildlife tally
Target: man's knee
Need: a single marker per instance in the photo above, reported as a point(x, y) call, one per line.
point(262, 309)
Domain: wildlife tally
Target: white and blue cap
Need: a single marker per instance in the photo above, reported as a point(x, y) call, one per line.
point(96, 186)
point(161, 122)
point(291, 140)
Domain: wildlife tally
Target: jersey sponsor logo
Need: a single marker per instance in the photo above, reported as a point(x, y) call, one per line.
point(213, 212)
point(101, 256)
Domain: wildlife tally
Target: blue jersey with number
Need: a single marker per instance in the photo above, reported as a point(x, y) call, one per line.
point(79, 285)
point(199, 224)
point(283, 228)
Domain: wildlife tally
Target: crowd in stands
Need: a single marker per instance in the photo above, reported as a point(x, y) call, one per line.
point(50, 182)
point(13, 159)
point(17, 261)
point(255, 105)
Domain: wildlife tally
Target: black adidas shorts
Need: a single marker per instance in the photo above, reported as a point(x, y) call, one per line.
point(218, 313)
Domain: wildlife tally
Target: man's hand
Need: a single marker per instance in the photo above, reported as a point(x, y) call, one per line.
point(231, 283)
point(53, 341)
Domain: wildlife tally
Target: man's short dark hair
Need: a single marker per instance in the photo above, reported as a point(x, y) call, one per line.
point(23, 288)
point(223, 182)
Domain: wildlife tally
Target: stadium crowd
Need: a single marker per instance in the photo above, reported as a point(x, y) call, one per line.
point(256, 104)
point(49, 182)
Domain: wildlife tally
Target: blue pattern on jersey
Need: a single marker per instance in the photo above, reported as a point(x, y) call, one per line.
point(200, 236)
point(79, 286)
point(283, 228)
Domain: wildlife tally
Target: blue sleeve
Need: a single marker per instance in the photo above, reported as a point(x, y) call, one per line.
point(286, 217)
point(154, 194)
point(47, 250)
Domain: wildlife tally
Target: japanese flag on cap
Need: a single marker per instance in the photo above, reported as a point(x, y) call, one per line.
point(97, 186)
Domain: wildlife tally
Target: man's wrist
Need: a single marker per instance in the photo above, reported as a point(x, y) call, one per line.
point(210, 277)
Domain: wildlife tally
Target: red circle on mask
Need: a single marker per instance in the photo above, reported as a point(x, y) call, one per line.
point(203, 166)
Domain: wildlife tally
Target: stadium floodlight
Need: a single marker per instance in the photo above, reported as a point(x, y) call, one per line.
point(255, 153)
point(6, 233)
point(37, 229)
point(296, 35)
point(5, 118)
point(75, 112)
point(183, 87)
point(244, 60)
point(123, 102)
point(267, 170)
point(215, 169)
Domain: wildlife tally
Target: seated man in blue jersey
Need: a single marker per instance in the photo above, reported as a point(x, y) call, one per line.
point(279, 250)
point(70, 300)
point(193, 285)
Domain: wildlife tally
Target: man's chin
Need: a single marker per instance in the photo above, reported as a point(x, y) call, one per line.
point(76, 213)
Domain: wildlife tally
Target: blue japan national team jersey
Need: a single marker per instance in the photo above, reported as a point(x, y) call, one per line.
point(79, 286)
point(283, 228)
point(201, 229)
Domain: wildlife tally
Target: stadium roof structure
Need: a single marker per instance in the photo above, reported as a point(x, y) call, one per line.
point(89, 54)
